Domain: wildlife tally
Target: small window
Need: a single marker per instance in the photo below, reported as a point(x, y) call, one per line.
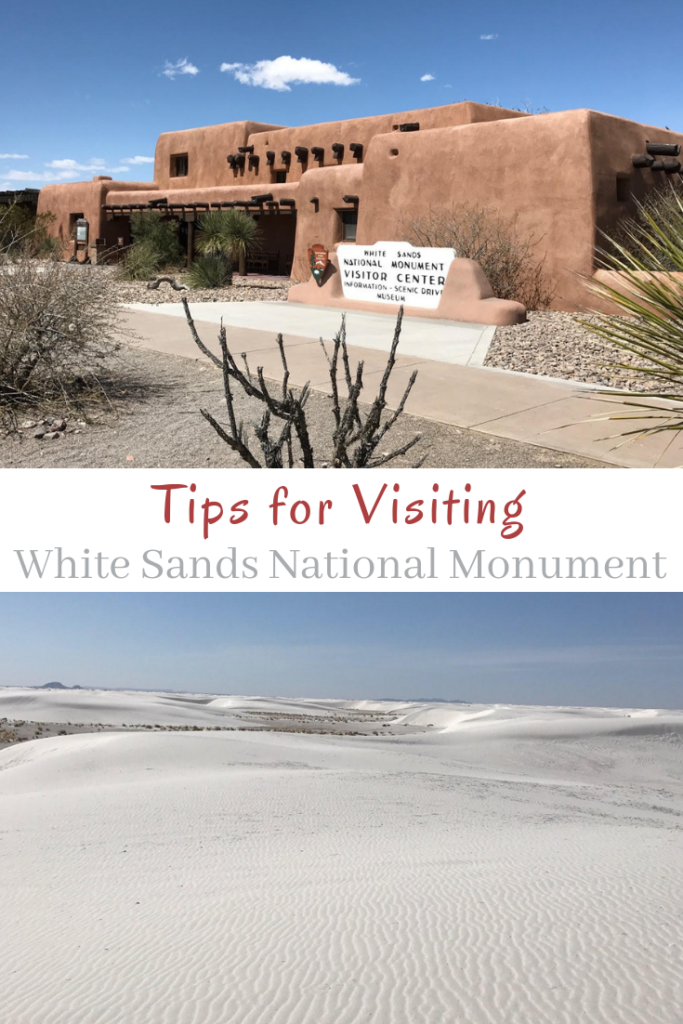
point(623, 188)
point(349, 219)
point(179, 165)
point(73, 218)
point(280, 178)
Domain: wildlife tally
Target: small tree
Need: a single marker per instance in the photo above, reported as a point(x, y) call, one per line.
point(355, 434)
point(232, 233)
point(507, 257)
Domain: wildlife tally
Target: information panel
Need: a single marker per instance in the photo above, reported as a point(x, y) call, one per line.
point(394, 272)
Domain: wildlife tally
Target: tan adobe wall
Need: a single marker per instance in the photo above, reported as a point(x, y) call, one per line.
point(84, 198)
point(207, 149)
point(613, 141)
point(361, 130)
point(320, 222)
point(556, 173)
point(537, 169)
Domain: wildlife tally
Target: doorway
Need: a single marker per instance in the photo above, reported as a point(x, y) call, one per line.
point(278, 236)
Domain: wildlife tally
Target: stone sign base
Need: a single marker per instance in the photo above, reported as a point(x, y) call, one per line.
point(467, 296)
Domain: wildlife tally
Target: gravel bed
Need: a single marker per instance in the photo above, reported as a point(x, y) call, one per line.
point(556, 345)
point(152, 419)
point(249, 289)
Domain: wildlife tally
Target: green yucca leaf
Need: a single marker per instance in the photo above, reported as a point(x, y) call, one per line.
point(650, 320)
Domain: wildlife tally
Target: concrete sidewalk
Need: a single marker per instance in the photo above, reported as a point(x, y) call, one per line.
point(553, 414)
point(444, 341)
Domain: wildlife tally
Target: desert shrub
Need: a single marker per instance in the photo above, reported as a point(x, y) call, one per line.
point(141, 262)
point(155, 247)
point(161, 235)
point(57, 325)
point(213, 270)
point(16, 224)
point(650, 300)
point(22, 231)
point(50, 246)
point(506, 256)
point(231, 232)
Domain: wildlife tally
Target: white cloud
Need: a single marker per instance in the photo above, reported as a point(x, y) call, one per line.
point(26, 176)
point(59, 170)
point(138, 159)
point(98, 166)
point(13, 156)
point(491, 36)
point(181, 67)
point(46, 177)
point(427, 78)
point(282, 72)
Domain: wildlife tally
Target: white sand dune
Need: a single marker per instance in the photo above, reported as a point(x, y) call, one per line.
point(469, 865)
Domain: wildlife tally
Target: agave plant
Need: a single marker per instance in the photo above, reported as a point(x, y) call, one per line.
point(231, 232)
point(649, 259)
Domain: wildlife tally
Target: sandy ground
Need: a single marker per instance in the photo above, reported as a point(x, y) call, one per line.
point(488, 865)
point(153, 420)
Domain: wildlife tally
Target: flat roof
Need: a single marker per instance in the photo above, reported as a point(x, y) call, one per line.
point(24, 195)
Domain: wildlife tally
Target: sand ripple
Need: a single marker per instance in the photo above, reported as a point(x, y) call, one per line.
point(206, 878)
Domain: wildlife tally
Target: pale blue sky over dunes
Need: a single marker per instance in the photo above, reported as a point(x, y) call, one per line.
point(591, 649)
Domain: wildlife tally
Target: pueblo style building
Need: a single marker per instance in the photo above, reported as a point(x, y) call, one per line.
point(564, 176)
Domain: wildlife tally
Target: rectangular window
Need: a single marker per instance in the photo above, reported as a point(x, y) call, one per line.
point(280, 178)
point(73, 217)
point(349, 219)
point(623, 188)
point(179, 165)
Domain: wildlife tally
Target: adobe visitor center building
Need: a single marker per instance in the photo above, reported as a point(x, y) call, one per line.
point(564, 177)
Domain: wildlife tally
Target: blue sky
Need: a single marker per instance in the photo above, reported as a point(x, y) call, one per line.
point(602, 649)
point(84, 89)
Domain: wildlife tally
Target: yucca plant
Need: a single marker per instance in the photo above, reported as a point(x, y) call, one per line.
point(213, 232)
point(212, 270)
point(659, 203)
point(649, 257)
point(231, 232)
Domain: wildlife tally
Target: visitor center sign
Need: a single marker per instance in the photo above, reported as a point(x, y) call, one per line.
point(394, 272)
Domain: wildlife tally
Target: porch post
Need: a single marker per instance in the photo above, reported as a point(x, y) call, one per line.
point(190, 242)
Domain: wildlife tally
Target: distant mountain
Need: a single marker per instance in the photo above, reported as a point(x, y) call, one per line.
point(57, 686)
